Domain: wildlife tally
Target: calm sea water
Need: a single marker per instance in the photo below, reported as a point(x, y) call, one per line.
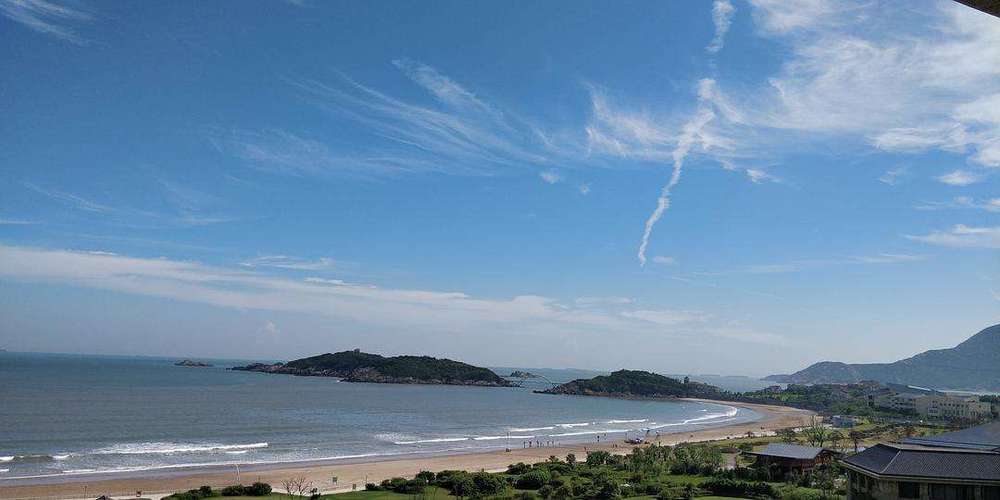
point(63, 415)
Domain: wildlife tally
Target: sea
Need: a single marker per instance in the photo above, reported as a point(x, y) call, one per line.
point(63, 416)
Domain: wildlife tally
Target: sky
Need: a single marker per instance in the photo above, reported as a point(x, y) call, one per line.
point(736, 187)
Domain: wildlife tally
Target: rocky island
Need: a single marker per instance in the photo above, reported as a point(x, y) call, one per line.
point(193, 364)
point(634, 384)
point(357, 366)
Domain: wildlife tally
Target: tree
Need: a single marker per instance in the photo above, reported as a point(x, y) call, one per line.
point(836, 440)
point(297, 486)
point(855, 438)
point(817, 434)
point(571, 459)
point(787, 435)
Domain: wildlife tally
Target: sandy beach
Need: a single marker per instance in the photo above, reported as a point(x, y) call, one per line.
point(155, 484)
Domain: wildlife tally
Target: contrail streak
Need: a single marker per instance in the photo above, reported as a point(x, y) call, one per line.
point(691, 133)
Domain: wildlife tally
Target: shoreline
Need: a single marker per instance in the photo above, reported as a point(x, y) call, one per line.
point(358, 470)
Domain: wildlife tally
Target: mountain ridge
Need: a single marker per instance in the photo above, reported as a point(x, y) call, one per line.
point(973, 364)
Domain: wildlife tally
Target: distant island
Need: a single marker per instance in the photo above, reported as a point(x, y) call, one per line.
point(637, 384)
point(522, 374)
point(192, 364)
point(972, 365)
point(357, 366)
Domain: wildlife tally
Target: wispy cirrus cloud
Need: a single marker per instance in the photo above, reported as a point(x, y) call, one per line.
point(287, 262)
point(49, 17)
point(664, 260)
point(960, 178)
point(813, 264)
point(550, 176)
point(962, 236)
point(894, 176)
point(185, 207)
point(963, 203)
point(69, 199)
point(722, 17)
point(460, 135)
point(5, 221)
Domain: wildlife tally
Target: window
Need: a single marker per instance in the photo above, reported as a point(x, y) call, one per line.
point(909, 490)
point(951, 492)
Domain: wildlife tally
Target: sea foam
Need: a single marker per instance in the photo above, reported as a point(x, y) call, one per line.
point(163, 448)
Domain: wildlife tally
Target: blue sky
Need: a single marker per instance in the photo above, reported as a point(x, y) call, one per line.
point(727, 187)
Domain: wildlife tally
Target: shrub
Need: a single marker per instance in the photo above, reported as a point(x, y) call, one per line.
point(518, 468)
point(372, 487)
point(236, 490)
point(257, 489)
point(394, 484)
point(564, 491)
point(533, 480)
point(426, 475)
point(488, 484)
point(444, 477)
point(546, 491)
point(734, 488)
point(596, 458)
point(198, 494)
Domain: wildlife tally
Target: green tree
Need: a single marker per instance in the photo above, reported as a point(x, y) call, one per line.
point(786, 435)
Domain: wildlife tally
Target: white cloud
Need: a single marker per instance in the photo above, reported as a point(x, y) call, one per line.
point(758, 176)
point(960, 178)
point(962, 236)
point(269, 329)
point(17, 222)
point(417, 311)
point(48, 17)
point(963, 202)
point(722, 17)
point(889, 258)
point(550, 176)
point(442, 87)
point(810, 264)
point(894, 176)
point(747, 335)
point(286, 262)
point(664, 260)
point(667, 317)
point(598, 301)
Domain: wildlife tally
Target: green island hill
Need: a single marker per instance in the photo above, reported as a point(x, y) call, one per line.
point(357, 366)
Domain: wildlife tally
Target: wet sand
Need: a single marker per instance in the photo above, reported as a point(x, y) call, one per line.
point(155, 484)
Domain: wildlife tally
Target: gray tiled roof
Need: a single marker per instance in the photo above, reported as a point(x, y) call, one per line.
point(980, 437)
point(790, 451)
point(924, 461)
